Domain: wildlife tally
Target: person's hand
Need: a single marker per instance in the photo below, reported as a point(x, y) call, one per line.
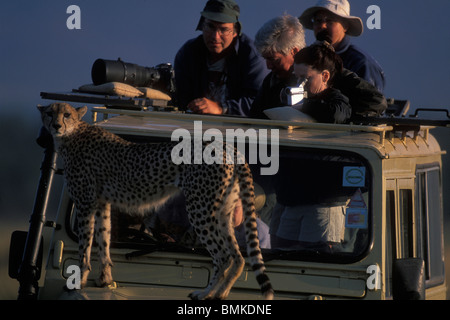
point(204, 105)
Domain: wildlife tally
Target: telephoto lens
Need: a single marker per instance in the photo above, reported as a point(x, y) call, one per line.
point(104, 71)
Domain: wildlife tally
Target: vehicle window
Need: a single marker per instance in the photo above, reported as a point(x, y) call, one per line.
point(399, 224)
point(400, 213)
point(316, 208)
point(391, 251)
point(405, 225)
point(430, 219)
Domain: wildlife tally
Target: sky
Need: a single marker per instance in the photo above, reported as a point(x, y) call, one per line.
point(39, 53)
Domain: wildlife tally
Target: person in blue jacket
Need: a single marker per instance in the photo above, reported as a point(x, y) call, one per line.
point(220, 71)
point(331, 21)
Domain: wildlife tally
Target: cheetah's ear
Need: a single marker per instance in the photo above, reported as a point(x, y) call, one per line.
point(41, 108)
point(81, 112)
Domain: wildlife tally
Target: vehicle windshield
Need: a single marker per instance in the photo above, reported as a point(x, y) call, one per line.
point(315, 208)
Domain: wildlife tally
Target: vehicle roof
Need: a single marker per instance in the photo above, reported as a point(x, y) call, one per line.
point(386, 141)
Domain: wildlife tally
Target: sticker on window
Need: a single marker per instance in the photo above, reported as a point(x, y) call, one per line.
point(356, 212)
point(356, 218)
point(354, 177)
point(357, 200)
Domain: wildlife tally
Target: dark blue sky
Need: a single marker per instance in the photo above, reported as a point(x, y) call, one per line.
point(39, 53)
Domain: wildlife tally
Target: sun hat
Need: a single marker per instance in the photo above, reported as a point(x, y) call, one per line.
point(340, 8)
point(224, 11)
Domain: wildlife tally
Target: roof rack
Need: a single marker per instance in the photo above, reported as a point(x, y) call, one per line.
point(411, 122)
point(385, 127)
point(243, 120)
point(394, 121)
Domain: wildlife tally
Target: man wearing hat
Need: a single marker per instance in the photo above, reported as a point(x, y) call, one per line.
point(331, 21)
point(220, 71)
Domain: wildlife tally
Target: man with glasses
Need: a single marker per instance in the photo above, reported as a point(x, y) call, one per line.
point(331, 21)
point(220, 71)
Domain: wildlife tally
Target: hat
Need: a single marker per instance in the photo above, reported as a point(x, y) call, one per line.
point(224, 11)
point(340, 8)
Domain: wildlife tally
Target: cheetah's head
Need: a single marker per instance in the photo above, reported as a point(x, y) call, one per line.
point(61, 118)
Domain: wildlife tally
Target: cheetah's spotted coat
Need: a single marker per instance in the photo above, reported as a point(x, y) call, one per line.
point(104, 170)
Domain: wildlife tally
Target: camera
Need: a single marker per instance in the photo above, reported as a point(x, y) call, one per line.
point(160, 77)
point(293, 95)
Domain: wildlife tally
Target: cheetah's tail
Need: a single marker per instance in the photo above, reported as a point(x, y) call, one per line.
point(247, 195)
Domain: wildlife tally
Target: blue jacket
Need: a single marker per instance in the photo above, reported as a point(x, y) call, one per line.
point(246, 72)
point(361, 63)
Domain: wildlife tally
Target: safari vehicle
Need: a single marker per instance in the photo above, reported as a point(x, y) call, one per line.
point(387, 173)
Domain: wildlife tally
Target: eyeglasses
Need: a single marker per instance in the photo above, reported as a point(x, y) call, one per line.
point(211, 28)
point(321, 20)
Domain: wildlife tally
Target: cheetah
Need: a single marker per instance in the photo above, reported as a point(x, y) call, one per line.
point(102, 170)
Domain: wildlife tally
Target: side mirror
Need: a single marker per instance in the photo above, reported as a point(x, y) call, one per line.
point(408, 282)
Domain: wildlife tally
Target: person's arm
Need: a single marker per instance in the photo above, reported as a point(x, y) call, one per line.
point(188, 72)
point(332, 108)
point(364, 98)
point(249, 71)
